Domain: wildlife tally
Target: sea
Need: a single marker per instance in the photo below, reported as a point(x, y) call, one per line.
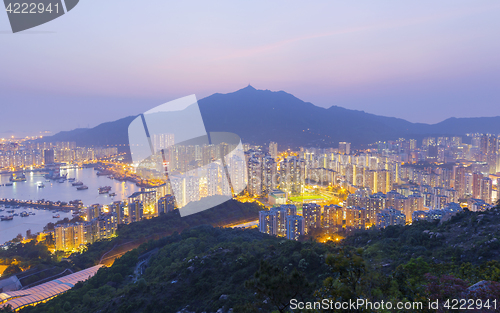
point(55, 191)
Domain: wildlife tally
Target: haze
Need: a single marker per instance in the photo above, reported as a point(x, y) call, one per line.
point(423, 61)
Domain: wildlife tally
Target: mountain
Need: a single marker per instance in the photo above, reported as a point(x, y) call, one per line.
point(261, 116)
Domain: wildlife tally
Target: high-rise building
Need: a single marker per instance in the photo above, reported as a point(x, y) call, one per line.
point(266, 222)
point(295, 227)
point(162, 141)
point(355, 218)
point(292, 175)
point(333, 216)
point(279, 220)
point(269, 175)
point(273, 149)
point(345, 147)
point(166, 204)
point(254, 177)
point(390, 217)
point(48, 156)
point(312, 216)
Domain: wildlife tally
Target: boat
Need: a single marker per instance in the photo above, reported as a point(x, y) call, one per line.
point(112, 194)
point(24, 214)
point(10, 211)
point(7, 218)
point(56, 216)
point(61, 180)
point(105, 189)
point(1, 210)
point(72, 179)
point(15, 214)
point(7, 206)
point(41, 186)
point(9, 184)
point(14, 177)
point(78, 183)
point(17, 206)
point(82, 188)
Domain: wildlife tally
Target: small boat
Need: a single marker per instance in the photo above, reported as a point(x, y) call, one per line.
point(72, 179)
point(9, 184)
point(112, 194)
point(14, 177)
point(24, 214)
point(15, 214)
point(82, 188)
point(7, 206)
point(61, 180)
point(56, 216)
point(7, 218)
point(78, 183)
point(41, 186)
point(10, 211)
point(17, 206)
point(1, 210)
point(105, 189)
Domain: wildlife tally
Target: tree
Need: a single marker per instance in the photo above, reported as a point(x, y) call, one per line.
point(349, 269)
point(272, 284)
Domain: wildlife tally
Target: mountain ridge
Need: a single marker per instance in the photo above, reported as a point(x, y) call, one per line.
point(261, 116)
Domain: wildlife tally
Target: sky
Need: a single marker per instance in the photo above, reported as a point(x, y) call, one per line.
point(423, 61)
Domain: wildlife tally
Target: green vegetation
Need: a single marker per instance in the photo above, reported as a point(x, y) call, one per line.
point(205, 269)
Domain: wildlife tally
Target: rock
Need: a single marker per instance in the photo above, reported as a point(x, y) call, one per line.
point(191, 268)
point(223, 297)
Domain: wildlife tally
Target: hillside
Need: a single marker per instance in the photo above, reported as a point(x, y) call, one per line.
point(207, 269)
point(261, 116)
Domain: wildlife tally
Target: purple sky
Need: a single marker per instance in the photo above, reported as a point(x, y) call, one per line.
point(423, 61)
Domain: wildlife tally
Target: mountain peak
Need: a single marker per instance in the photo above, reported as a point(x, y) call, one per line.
point(249, 88)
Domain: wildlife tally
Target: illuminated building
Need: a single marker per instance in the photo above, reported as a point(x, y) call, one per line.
point(277, 197)
point(390, 217)
point(269, 175)
point(292, 175)
point(333, 217)
point(273, 149)
point(166, 204)
point(312, 216)
point(344, 147)
point(295, 227)
point(266, 222)
point(355, 218)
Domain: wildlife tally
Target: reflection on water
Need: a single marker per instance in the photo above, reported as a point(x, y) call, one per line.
point(19, 225)
point(55, 191)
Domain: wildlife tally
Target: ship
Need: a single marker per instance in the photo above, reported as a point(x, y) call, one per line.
point(7, 218)
point(14, 177)
point(105, 189)
point(78, 183)
point(82, 188)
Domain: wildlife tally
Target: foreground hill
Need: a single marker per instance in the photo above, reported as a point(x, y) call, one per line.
point(261, 116)
point(206, 269)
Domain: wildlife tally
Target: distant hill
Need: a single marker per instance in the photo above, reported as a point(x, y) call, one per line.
point(261, 116)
